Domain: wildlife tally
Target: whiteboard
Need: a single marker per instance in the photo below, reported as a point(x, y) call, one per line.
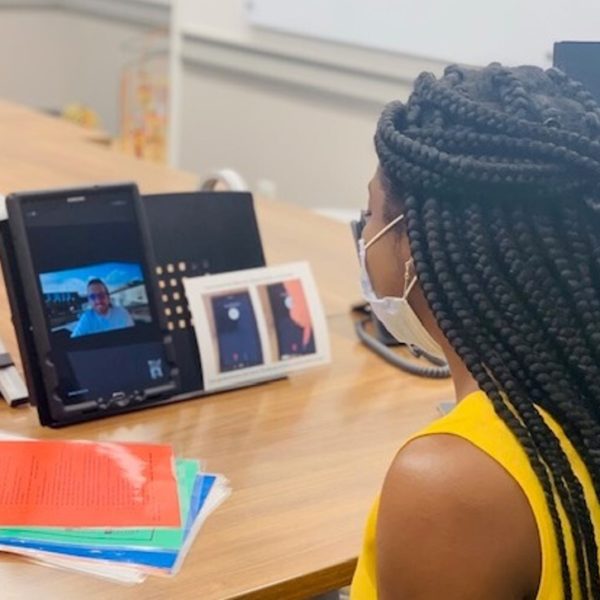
point(469, 31)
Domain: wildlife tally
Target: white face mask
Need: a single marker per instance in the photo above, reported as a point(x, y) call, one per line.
point(396, 314)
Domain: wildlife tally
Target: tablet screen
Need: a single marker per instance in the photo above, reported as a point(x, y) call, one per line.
point(89, 262)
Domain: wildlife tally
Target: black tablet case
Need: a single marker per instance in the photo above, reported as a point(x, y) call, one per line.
point(20, 321)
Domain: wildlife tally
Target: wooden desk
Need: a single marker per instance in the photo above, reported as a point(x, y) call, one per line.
point(305, 455)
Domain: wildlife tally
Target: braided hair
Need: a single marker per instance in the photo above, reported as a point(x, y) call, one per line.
point(498, 173)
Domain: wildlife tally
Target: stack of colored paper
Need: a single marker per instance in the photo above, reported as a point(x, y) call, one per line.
point(120, 510)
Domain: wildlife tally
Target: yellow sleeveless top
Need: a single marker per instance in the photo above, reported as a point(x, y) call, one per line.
point(474, 420)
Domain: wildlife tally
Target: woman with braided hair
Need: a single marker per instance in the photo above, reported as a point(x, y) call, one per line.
point(481, 243)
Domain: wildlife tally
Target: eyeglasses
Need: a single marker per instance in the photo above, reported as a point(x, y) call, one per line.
point(358, 226)
point(98, 296)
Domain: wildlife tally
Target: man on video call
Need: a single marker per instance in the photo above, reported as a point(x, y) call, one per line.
point(101, 315)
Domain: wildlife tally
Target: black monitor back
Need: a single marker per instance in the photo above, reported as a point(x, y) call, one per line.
point(580, 61)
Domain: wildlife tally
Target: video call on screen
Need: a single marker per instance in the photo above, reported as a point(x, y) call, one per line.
point(88, 257)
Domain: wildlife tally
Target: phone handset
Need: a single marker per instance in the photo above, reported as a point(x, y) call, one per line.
point(382, 342)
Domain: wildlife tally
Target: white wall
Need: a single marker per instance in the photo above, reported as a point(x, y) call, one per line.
point(52, 57)
point(221, 17)
point(284, 110)
point(36, 64)
point(469, 31)
point(313, 142)
point(316, 150)
point(306, 144)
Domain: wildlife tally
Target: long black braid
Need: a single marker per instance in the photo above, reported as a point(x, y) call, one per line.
point(498, 172)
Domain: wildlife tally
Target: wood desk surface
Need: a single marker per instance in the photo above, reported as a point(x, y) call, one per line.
point(305, 455)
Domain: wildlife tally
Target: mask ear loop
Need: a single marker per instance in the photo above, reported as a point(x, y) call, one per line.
point(383, 231)
point(408, 286)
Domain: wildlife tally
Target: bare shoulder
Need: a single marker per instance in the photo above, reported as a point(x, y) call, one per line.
point(454, 524)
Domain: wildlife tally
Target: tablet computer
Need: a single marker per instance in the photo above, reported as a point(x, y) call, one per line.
point(85, 271)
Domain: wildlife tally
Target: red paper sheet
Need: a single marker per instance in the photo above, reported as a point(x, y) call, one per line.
point(87, 484)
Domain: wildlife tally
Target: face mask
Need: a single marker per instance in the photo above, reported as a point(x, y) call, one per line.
point(396, 314)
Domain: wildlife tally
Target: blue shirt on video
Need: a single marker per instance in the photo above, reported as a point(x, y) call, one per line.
point(90, 322)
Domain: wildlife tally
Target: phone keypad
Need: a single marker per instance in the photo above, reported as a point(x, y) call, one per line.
point(173, 294)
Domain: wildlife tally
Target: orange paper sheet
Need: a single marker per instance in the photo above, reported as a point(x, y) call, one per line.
point(87, 484)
